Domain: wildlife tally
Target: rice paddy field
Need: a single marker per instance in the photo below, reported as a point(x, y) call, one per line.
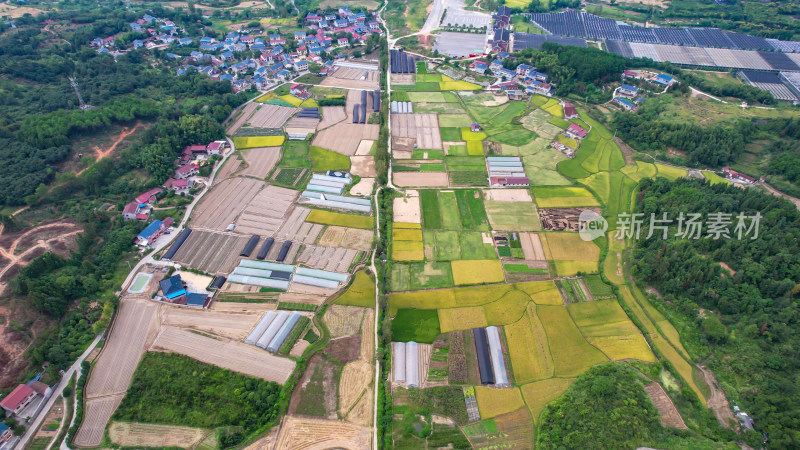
point(447, 275)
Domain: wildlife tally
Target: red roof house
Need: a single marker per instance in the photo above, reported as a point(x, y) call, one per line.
point(129, 212)
point(215, 148)
point(149, 196)
point(570, 112)
point(186, 171)
point(18, 399)
point(575, 131)
point(736, 175)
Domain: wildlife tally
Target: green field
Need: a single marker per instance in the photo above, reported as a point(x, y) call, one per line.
point(450, 134)
point(513, 216)
point(421, 275)
point(295, 154)
point(415, 325)
point(324, 160)
point(453, 210)
point(360, 293)
point(452, 245)
point(431, 215)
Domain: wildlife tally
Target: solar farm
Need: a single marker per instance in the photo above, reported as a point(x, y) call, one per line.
point(493, 293)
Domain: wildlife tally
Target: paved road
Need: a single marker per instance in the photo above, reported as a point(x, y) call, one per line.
point(75, 367)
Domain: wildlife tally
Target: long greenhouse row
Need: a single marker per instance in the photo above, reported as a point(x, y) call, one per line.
point(272, 329)
point(279, 276)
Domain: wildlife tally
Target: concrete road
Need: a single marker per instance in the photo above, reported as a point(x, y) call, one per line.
point(37, 421)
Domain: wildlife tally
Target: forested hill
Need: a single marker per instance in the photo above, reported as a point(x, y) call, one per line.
point(41, 115)
point(746, 319)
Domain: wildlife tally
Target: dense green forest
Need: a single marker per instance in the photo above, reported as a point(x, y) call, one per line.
point(38, 132)
point(173, 389)
point(744, 321)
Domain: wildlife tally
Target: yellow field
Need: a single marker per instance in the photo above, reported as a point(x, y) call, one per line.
point(555, 110)
point(469, 135)
point(569, 268)
point(538, 395)
point(266, 97)
point(480, 295)
point(291, 99)
point(457, 85)
point(466, 318)
point(408, 255)
point(571, 353)
point(343, 220)
point(601, 318)
point(612, 262)
point(528, 348)
point(566, 202)
point(542, 292)
point(508, 309)
point(477, 271)
point(640, 170)
point(494, 402)
point(672, 173)
point(406, 225)
point(406, 235)
point(440, 298)
point(405, 246)
point(309, 103)
point(243, 142)
point(616, 348)
point(565, 246)
point(277, 21)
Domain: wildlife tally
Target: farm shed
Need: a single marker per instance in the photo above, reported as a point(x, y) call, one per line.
point(412, 364)
point(193, 299)
point(266, 265)
point(482, 352)
point(314, 281)
point(265, 248)
point(355, 113)
point(338, 174)
point(277, 341)
point(324, 187)
point(177, 244)
point(217, 283)
point(364, 99)
point(284, 251)
point(325, 275)
point(258, 281)
point(251, 272)
point(363, 112)
point(496, 352)
point(261, 327)
point(393, 107)
point(335, 201)
point(250, 246)
point(376, 101)
point(272, 329)
point(399, 363)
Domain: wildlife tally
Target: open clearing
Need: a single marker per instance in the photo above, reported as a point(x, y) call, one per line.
point(270, 116)
point(333, 259)
point(260, 160)
point(345, 137)
point(220, 207)
point(508, 195)
point(128, 434)
point(306, 433)
point(221, 323)
point(239, 357)
point(346, 237)
point(406, 208)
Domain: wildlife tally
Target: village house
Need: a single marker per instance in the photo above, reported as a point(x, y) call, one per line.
point(575, 131)
point(301, 65)
point(538, 87)
point(215, 148)
point(15, 402)
point(734, 175)
point(627, 91)
point(625, 104)
point(173, 290)
point(524, 70)
point(475, 127)
point(570, 112)
point(149, 196)
point(184, 172)
point(5, 433)
point(179, 187)
point(149, 235)
point(299, 91)
point(501, 39)
point(191, 152)
point(503, 17)
point(478, 66)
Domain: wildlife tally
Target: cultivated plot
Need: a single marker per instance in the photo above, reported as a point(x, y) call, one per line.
point(513, 216)
point(331, 115)
point(423, 128)
point(266, 212)
point(406, 209)
point(309, 433)
point(212, 252)
point(232, 355)
point(421, 179)
point(224, 202)
point(333, 259)
point(346, 237)
point(345, 77)
point(270, 116)
point(260, 161)
point(233, 325)
point(132, 434)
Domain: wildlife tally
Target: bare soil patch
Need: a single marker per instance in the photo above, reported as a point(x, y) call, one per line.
point(419, 179)
point(260, 161)
point(717, 401)
point(364, 147)
point(221, 323)
point(509, 195)
point(267, 211)
point(345, 349)
point(670, 417)
point(232, 165)
point(334, 259)
point(532, 246)
point(562, 219)
point(212, 252)
point(331, 115)
point(424, 128)
point(354, 238)
point(363, 166)
point(131, 434)
point(270, 116)
point(407, 208)
point(352, 78)
point(223, 204)
point(297, 432)
point(364, 187)
point(344, 320)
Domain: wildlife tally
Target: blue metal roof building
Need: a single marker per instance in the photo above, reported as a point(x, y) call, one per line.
point(152, 228)
point(172, 287)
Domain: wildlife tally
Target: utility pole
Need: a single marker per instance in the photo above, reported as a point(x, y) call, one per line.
point(74, 84)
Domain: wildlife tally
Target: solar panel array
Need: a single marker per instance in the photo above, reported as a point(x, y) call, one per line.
point(638, 34)
point(535, 41)
point(620, 48)
point(581, 24)
point(769, 81)
point(712, 57)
